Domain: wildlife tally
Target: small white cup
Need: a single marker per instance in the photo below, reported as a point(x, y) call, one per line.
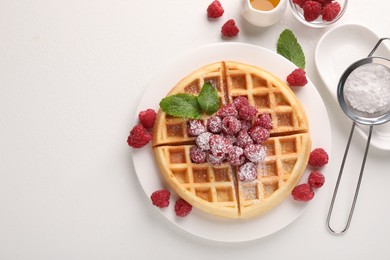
point(263, 18)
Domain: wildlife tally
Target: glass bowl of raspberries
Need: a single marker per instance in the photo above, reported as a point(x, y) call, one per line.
point(318, 13)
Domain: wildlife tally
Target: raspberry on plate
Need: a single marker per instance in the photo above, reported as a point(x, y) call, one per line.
point(215, 9)
point(311, 10)
point(316, 179)
point(247, 172)
point(258, 134)
point(138, 137)
point(264, 120)
point(230, 29)
point(297, 78)
point(231, 125)
point(147, 118)
point(318, 157)
point(182, 208)
point(330, 11)
point(197, 155)
point(195, 127)
point(160, 198)
point(302, 192)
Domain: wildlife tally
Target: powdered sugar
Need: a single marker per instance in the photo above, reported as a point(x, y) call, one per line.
point(367, 88)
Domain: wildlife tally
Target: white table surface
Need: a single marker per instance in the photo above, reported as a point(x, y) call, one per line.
point(71, 75)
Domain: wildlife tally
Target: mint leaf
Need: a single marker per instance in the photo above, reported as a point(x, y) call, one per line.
point(289, 48)
point(208, 98)
point(182, 105)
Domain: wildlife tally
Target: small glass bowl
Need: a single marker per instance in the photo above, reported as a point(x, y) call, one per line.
point(318, 23)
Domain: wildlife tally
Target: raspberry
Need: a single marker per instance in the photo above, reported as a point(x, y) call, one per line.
point(243, 139)
point(297, 78)
point(255, 152)
point(229, 29)
point(215, 159)
point(214, 124)
point(318, 157)
point(219, 145)
point(202, 141)
point(247, 112)
point(227, 110)
point(231, 125)
point(215, 9)
point(302, 192)
point(197, 155)
point(311, 10)
point(330, 11)
point(245, 125)
point(160, 198)
point(138, 137)
point(240, 101)
point(247, 172)
point(182, 208)
point(264, 120)
point(316, 179)
point(299, 2)
point(195, 127)
point(258, 134)
point(236, 156)
point(147, 118)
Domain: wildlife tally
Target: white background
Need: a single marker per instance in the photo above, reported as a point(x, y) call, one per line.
point(71, 75)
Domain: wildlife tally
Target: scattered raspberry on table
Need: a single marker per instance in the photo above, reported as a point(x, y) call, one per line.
point(215, 9)
point(229, 29)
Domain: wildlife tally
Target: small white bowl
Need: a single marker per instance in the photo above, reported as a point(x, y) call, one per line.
point(263, 18)
point(318, 23)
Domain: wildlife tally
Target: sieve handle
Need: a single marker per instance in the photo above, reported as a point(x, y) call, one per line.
point(339, 179)
point(377, 45)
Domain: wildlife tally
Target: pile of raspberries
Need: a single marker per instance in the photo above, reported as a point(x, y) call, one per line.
point(313, 9)
point(304, 192)
point(235, 134)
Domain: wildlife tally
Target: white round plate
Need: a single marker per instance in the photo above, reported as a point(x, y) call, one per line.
point(336, 51)
point(197, 222)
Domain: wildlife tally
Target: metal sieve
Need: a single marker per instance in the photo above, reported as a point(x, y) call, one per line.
point(357, 117)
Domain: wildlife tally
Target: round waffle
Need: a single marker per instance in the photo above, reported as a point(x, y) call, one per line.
point(216, 189)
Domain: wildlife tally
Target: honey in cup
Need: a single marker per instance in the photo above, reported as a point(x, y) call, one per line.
point(264, 5)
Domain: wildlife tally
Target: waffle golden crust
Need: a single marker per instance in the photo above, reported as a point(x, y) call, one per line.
point(216, 189)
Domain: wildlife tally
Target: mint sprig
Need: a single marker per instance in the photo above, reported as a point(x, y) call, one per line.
point(289, 48)
point(191, 106)
point(208, 99)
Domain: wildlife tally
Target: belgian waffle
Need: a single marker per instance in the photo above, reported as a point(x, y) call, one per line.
point(216, 189)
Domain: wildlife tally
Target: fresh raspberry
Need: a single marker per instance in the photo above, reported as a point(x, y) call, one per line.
point(231, 125)
point(138, 137)
point(264, 120)
point(302, 192)
point(227, 110)
point(160, 198)
point(258, 134)
point(202, 141)
point(236, 156)
point(297, 78)
point(215, 9)
point(247, 112)
point(182, 208)
point(255, 153)
point(243, 139)
point(245, 125)
point(195, 127)
point(197, 155)
point(316, 179)
point(330, 11)
point(214, 124)
point(324, 2)
point(247, 172)
point(147, 118)
point(240, 101)
point(299, 2)
point(311, 10)
point(220, 145)
point(215, 159)
point(229, 29)
point(318, 157)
